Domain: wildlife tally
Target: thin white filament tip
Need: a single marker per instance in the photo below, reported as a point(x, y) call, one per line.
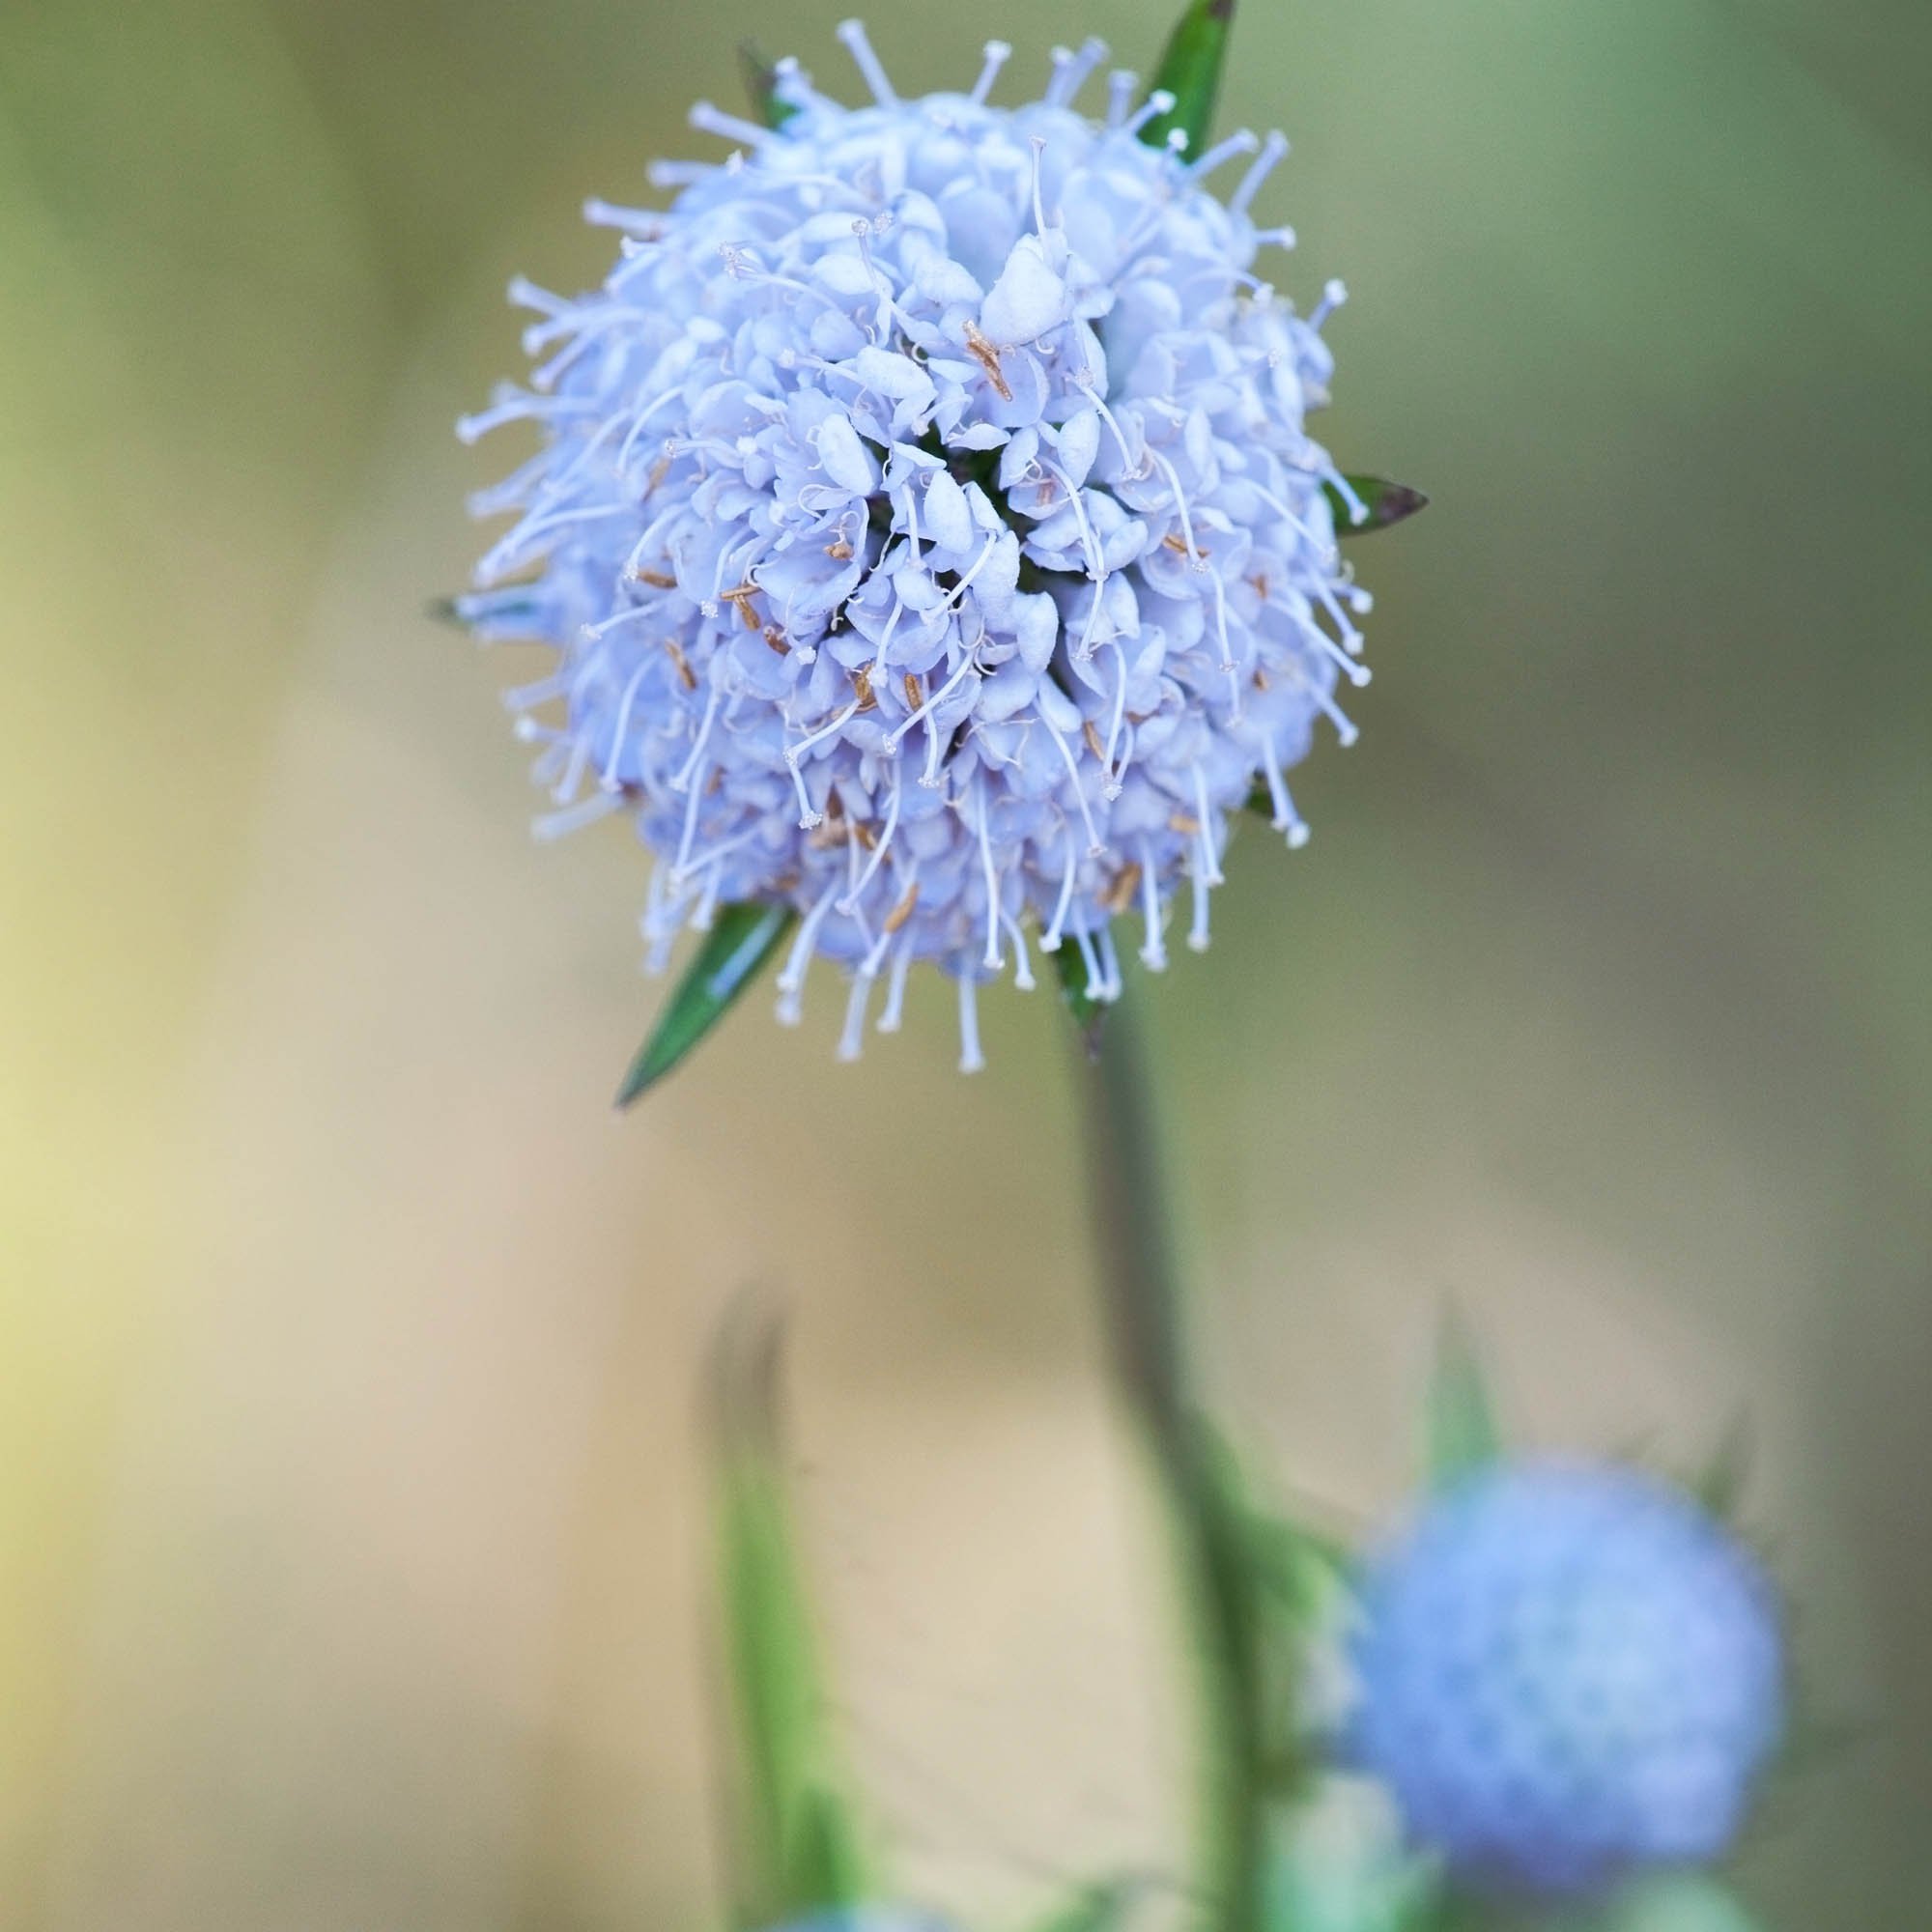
point(970, 1058)
point(853, 34)
point(1274, 148)
point(852, 1041)
point(1158, 103)
point(998, 53)
point(709, 118)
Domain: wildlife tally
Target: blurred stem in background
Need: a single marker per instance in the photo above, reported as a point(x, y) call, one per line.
point(1142, 1296)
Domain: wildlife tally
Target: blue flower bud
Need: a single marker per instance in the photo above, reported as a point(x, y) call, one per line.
point(1567, 1671)
point(927, 531)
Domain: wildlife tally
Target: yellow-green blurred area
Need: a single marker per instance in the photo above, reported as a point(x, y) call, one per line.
point(353, 1520)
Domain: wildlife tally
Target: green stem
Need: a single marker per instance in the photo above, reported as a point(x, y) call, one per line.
point(1142, 1299)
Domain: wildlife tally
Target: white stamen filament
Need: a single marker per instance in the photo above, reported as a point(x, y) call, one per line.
point(1154, 953)
point(1065, 751)
point(1203, 818)
point(1023, 980)
point(790, 982)
point(1160, 101)
point(852, 1041)
point(853, 34)
point(895, 1007)
point(1121, 85)
point(710, 120)
point(998, 53)
point(585, 812)
point(1242, 141)
point(622, 724)
point(970, 1058)
point(1097, 976)
point(689, 769)
point(992, 955)
point(1049, 941)
point(1333, 294)
point(1274, 149)
point(1197, 933)
point(851, 899)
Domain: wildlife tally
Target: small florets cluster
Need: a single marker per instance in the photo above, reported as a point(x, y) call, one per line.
point(927, 531)
point(1567, 1672)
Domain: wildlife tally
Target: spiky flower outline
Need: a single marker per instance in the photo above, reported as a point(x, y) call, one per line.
point(1567, 1671)
point(927, 530)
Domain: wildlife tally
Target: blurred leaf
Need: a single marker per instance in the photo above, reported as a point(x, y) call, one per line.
point(1340, 1864)
point(1676, 1902)
point(1721, 1487)
point(1093, 1908)
point(1461, 1425)
point(1088, 1011)
point(1190, 69)
point(761, 83)
point(1382, 502)
point(799, 1849)
point(741, 939)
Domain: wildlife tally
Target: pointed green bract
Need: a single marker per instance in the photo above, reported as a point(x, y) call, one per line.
point(761, 83)
point(1088, 1011)
point(1460, 1423)
point(797, 1843)
point(1190, 69)
point(1381, 501)
point(741, 939)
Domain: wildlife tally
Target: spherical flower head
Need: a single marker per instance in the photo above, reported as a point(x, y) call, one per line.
point(1567, 1671)
point(929, 533)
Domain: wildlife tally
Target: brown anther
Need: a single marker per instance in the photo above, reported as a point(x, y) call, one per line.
point(1261, 678)
point(1185, 823)
point(915, 697)
point(840, 552)
point(987, 356)
point(686, 676)
point(1261, 582)
point(902, 912)
point(657, 580)
point(716, 783)
point(1179, 545)
point(861, 683)
point(776, 638)
point(742, 596)
point(1092, 735)
point(864, 835)
point(1119, 894)
point(660, 469)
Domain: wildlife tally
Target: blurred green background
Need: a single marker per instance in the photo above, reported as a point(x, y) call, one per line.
point(352, 1522)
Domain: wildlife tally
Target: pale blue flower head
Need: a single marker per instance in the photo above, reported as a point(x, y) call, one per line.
point(928, 531)
point(1567, 1671)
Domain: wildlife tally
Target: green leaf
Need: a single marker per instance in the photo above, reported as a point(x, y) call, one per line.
point(1190, 71)
point(1461, 1424)
point(1088, 1011)
point(1673, 1902)
point(741, 939)
point(761, 83)
point(1719, 1487)
point(797, 1849)
point(1092, 1908)
point(1380, 501)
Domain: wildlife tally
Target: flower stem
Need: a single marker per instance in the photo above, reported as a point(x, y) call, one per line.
point(1143, 1298)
